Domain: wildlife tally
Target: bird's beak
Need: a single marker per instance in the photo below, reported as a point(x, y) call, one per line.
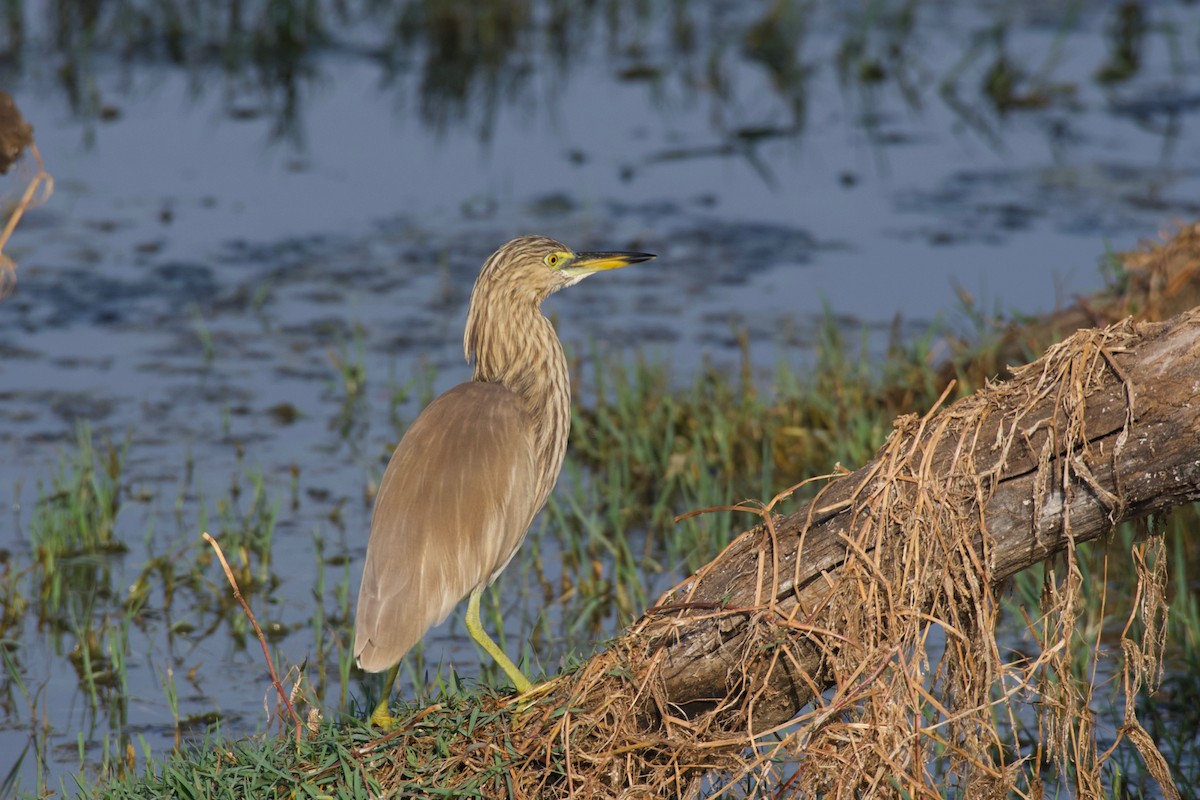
point(587, 263)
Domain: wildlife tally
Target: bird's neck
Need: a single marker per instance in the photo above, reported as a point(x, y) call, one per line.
point(513, 344)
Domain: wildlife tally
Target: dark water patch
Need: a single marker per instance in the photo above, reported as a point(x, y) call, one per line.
point(1097, 196)
point(212, 394)
point(13, 352)
point(646, 334)
point(177, 280)
point(414, 337)
point(80, 362)
point(323, 296)
point(1154, 104)
point(182, 359)
point(552, 205)
point(727, 252)
point(328, 329)
point(68, 297)
point(75, 407)
point(301, 373)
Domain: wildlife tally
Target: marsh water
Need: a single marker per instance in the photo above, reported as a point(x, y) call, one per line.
point(257, 258)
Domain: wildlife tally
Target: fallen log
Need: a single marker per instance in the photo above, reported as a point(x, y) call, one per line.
point(1137, 452)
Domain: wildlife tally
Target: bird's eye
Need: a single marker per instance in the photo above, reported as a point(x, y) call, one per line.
point(553, 259)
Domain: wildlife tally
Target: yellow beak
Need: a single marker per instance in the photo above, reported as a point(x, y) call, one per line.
point(587, 263)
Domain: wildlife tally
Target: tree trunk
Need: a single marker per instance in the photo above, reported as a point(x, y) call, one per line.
point(1103, 429)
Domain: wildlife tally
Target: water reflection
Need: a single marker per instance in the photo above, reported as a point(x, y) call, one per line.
point(471, 60)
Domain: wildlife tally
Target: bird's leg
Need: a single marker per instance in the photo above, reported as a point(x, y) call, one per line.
point(475, 628)
point(380, 717)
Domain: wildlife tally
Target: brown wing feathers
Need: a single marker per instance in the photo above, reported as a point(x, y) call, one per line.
point(453, 506)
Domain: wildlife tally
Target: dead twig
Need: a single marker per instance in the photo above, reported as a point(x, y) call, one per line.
point(42, 181)
point(262, 640)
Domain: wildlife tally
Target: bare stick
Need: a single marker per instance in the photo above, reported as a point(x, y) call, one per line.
point(28, 197)
point(237, 593)
point(43, 181)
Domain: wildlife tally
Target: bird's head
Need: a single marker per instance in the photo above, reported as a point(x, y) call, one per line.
point(537, 266)
point(512, 284)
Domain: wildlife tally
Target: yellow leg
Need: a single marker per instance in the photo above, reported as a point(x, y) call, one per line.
point(475, 628)
point(380, 717)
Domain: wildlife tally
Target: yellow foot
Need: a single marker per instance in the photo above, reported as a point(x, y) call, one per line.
point(528, 698)
point(382, 719)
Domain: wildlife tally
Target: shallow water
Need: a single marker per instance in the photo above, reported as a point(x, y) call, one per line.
point(203, 264)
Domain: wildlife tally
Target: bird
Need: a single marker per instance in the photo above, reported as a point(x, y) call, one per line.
point(476, 466)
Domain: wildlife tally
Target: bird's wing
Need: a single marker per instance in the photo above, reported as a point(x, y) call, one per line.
point(453, 506)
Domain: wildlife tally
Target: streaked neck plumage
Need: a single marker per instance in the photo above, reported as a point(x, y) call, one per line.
point(513, 344)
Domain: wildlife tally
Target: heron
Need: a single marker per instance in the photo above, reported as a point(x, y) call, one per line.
point(476, 466)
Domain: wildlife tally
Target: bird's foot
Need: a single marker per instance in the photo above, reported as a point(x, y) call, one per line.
point(528, 698)
point(522, 684)
point(381, 718)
